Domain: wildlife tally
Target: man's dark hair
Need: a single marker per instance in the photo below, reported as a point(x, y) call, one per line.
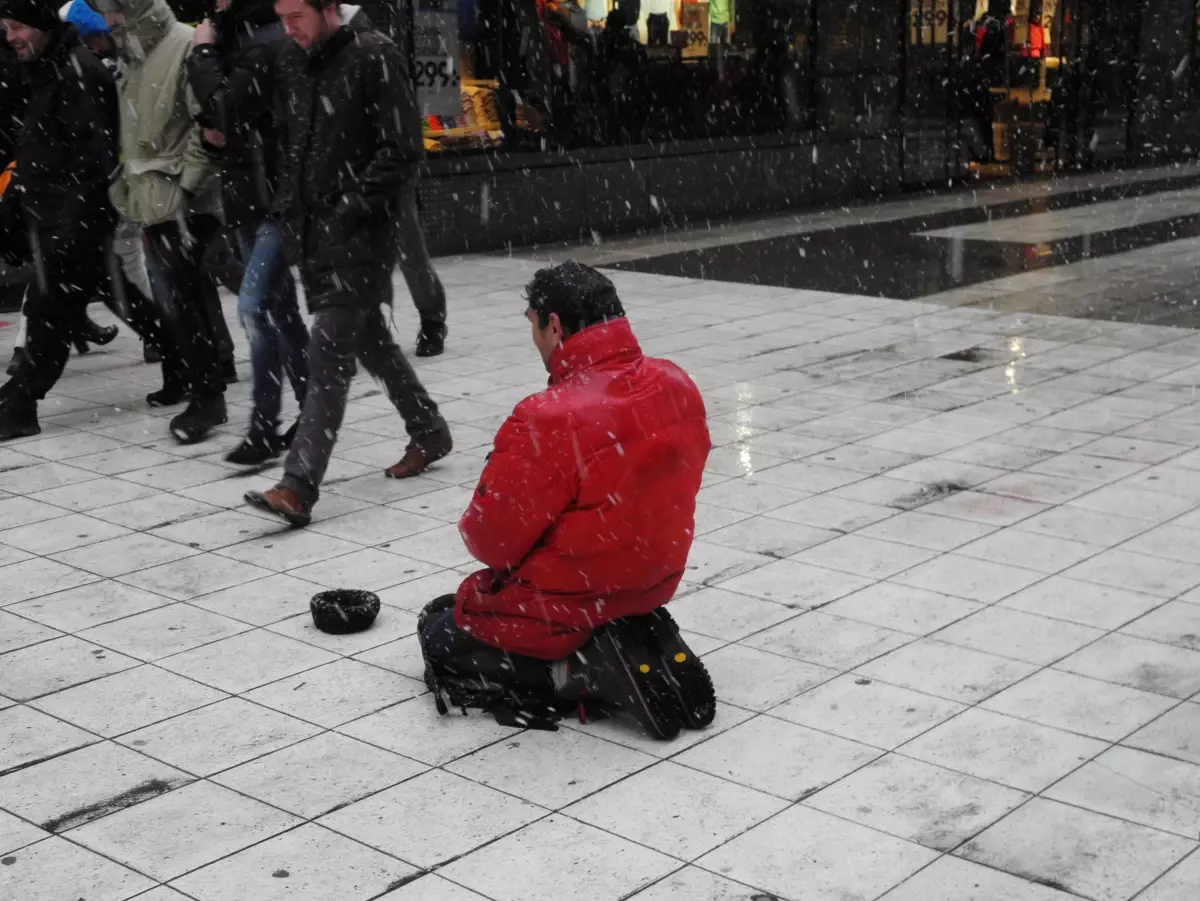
point(579, 294)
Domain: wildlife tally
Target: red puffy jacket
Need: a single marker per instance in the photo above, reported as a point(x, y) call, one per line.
point(585, 510)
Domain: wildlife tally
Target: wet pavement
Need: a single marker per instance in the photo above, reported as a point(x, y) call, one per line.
point(946, 580)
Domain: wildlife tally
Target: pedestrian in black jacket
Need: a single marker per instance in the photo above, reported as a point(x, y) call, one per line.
point(55, 213)
point(232, 74)
point(343, 101)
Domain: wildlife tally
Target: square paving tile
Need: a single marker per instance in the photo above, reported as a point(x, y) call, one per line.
point(947, 671)
point(829, 641)
point(1139, 787)
point(795, 584)
point(1077, 704)
point(296, 866)
point(952, 879)
point(1175, 734)
point(182, 830)
point(1012, 752)
point(262, 601)
point(369, 569)
point(219, 736)
point(902, 608)
point(319, 774)
point(937, 808)
point(127, 700)
point(1021, 636)
point(964, 577)
point(337, 693)
point(720, 810)
point(414, 729)
point(726, 615)
point(1086, 853)
point(551, 769)
point(61, 534)
point(1085, 603)
point(185, 580)
point(89, 605)
point(86, 784)
point(1138, 572)
point(391, 623)
point(34, 578)
point(27, 736)
point(246, 661)
point(56, 869)
point(867, 711)
point(53, 665)
point(433, 888)
point(1176, 623)
point(164, 631)
point(1179, 884)
point(757, 680)
point(17, 632)
point(16, 833)
point(802, 853)
point(559, 857)
point(456, 816)
point(1146, 665)
point(777, 757)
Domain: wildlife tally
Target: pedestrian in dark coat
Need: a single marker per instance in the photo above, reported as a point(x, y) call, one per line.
point(232, 74)
point(343, 99)
point(55, 213)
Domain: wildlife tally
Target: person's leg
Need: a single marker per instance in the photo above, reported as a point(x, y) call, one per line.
point(429, 436)
point(332, 346)
point(283, 305)
point(428, 294)
point(265, 366)
point(176, 261)
point(455, 657)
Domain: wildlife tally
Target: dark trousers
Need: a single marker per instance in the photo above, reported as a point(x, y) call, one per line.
point(428, 294)
point(340, 335)
point(66, 277)
point(454, 655)
point(188, 299)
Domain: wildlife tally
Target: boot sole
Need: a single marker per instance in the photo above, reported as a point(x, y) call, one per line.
point(639, 688)
point(688, 678)
point(298, 520)
point(184, 436)
point(21, 433)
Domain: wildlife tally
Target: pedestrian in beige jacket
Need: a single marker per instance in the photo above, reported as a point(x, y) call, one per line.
point(168, 186)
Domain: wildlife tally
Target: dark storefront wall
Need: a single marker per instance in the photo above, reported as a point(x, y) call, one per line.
point(816, 102)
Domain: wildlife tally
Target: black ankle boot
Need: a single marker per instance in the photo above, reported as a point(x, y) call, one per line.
point(256, 448)
point(18, 420)
point(202, 415)
point(431, 340)
point(94, 333)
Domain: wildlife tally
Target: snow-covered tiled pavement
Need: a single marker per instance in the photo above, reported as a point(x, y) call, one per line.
point(947, 581)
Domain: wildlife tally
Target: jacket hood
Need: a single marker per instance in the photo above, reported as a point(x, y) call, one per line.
point(605, 342)
point(147, 22)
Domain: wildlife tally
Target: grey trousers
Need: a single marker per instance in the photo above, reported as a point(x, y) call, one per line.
point(429, 297)
point(338, 336)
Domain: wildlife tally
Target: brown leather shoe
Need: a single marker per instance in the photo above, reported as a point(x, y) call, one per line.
point(282, 502)
point(417, 458)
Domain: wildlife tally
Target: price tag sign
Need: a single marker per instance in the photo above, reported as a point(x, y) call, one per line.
point(436, 74)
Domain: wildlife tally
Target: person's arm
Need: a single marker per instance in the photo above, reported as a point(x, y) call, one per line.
point(523, 490)
point(397, 128)
point(90, 130)
point(197, 159)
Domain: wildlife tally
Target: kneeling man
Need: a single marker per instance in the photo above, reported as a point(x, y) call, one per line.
point(583, 516)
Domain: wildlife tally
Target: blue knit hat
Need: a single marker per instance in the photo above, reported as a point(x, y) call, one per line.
point(86, 20)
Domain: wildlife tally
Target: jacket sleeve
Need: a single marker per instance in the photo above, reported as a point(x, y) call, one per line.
point(522, 492)
point(397, 130)
point(206, 77)
point(198, 165)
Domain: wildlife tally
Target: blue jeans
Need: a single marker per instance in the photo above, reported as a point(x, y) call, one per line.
point(270, 314)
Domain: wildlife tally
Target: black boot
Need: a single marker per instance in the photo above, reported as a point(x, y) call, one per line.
point(151, 354)
point(202, 415)
point(93, 333)
point(174, 390)
point(256, 448)
point(621, 666)
point(18, 419)
point(229, 371)
point(686, 674)
point(431, 340)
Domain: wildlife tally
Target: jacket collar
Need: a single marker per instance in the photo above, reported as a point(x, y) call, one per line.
point(598, 345)
point(331, 46)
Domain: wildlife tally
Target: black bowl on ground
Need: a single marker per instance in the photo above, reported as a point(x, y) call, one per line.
point(344, 610)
